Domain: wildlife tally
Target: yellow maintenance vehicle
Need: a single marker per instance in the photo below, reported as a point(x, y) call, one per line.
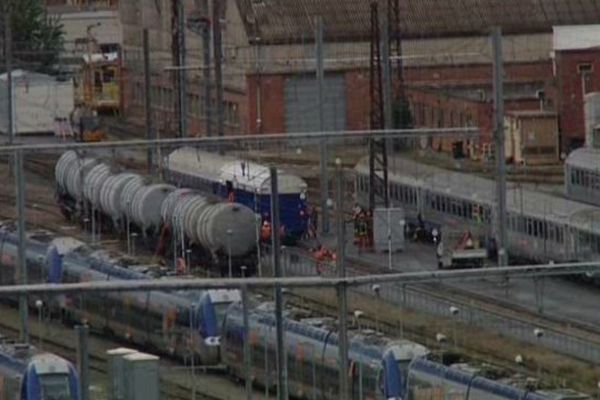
point(86, 126)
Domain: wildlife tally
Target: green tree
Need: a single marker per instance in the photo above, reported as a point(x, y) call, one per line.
point(37, 38)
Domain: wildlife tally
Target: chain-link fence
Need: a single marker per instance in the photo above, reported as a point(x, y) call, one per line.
point(296, 263)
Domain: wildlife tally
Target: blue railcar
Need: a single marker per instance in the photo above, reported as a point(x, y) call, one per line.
point(175, 323)
point(375, 363)
point(28, 374)
point(242, 181)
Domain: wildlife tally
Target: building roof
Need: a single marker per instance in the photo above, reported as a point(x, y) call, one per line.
point(291, 21)
point(576, 37)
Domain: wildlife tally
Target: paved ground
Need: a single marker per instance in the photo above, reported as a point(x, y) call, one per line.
point(561, 297)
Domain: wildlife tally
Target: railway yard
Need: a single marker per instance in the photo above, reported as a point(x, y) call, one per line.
point(300, 200)
point(488, 324)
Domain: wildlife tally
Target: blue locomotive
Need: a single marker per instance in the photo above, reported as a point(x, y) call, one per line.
point(27, 374)
point(241, 181)
point(175, 323)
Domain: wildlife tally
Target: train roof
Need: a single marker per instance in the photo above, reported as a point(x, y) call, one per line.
point(14, 357)
point(584, 158)
point(543, 206)
point(366, 345)
point(245, 174)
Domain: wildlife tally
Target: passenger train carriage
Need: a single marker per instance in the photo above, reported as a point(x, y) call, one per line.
point(582, 175)
point(175, 323)
point(312, 360)
point(379, 367)
point(28, 374)
point(541, 227)
point(243, 181)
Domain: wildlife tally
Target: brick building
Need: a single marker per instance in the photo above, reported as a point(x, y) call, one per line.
point(447, 63)
point(577, 68)
point(158, 17)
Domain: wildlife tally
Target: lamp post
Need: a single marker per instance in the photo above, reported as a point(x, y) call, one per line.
point(188, 260)
point(538, 333)
point(454, 311)
point(133, 237)
point(377, 290)
point(245, 318)
point(39, 304)
point(258, 223)
point(357, 315)
point(441, 339)
point(229, 233)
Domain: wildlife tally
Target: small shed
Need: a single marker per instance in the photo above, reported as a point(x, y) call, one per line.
point(40, 102)
point(531, 137)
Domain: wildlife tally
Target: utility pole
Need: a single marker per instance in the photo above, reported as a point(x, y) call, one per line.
point(247, 361)
point(83, 360)
point(181, 72)
point(218, 65)
point(206, 75)
point(323, 144)
point(342, 289)
point(386, 71)
point(8, 63)
point(22, 270)
point(148, 101)
point(277, 272)
point(499, 136)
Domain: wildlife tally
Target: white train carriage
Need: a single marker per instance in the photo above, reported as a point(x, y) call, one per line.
point(541, 227)
point(582, 175)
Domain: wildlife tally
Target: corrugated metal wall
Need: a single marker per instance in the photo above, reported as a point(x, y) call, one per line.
point(301, 104)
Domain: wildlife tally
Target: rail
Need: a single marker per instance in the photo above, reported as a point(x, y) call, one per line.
point(398, 292)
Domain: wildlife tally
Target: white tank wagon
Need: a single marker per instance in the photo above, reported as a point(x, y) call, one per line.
point(93, 182)
point(213, 231)
point(110, 195)
point(70, 172)
point(146, 204)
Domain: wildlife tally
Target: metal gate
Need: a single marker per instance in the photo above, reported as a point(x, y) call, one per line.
point(302, 102)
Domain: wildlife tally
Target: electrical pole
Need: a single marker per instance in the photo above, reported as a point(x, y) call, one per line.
point(181, 72)
point(206, 76)
point(342, 289)
point(277, 272)
point(83, 360)
point(323, 144)
point(247, 361)
point(22, 270)
point(8, 63)
point(386, 71)
point(148, 101)
point(499, 138)
point(218, 65)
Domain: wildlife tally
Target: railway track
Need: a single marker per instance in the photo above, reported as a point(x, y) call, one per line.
point(465, 298)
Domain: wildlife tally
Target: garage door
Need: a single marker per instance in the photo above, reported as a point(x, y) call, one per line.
point(302, 101)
